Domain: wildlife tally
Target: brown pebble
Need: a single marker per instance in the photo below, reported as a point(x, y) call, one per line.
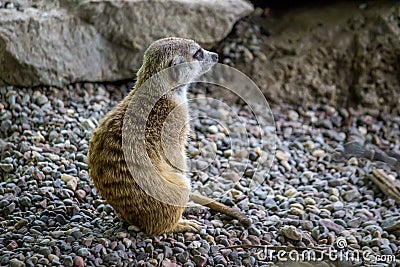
point(246, 241)
point(12, 245)
point(225, 251)
point(254, 240)
point(81, 194)
point(209, 238)
point(377, 234)
point(113, 245)
point(87, 241)
point(168, 263)
point(267, 237)
point(88, 86)
point(323, 241)
point(79, 262)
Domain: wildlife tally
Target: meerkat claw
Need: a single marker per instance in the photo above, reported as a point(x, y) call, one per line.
point(188, 226)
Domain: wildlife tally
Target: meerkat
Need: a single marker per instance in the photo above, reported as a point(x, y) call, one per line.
point(119, 178)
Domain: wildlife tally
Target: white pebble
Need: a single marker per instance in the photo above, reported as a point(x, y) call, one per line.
point(319, 153)
point(352, 161)
point(286, 165)
point(309, 201)
point(290, 192)
point(363, 130)
point(213, 129)
point(293, 115)
point(133, 228)
point(333, 191)
point(66, 177)
point(308, 174)
point(72, 184)
point(258, 151)
point(282, 156)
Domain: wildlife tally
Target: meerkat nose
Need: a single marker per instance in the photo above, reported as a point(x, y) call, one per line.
point(214, 57)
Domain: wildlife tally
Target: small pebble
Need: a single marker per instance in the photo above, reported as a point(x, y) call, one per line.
point(282, 156)
point(318, 153)
point(291, 232)
point(290, 192)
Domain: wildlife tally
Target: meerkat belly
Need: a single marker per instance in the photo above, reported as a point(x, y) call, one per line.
point(166, 138)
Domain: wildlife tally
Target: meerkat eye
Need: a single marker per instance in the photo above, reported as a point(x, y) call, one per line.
point(199, 55)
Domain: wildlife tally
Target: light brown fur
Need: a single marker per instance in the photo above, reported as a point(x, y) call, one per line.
point(109, 165)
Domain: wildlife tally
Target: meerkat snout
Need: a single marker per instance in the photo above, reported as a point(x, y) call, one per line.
point(188, 66)
point(206, 58)
point(214, 57)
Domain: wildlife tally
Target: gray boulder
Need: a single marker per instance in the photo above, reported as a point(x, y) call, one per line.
point(56, 43)
point(341, 54)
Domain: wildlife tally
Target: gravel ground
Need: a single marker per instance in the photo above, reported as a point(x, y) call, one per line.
point(52, 215)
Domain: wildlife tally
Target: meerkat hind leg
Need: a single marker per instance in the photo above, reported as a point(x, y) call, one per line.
point(219, 207)
point(187, 226)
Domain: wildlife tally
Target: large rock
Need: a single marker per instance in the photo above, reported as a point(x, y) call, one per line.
point(57, 43)
point(341, 54)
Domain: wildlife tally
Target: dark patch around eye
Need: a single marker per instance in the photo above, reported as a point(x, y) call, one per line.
point(199, 55)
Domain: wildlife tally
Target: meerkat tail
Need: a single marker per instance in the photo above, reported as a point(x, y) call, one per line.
point(219, 207)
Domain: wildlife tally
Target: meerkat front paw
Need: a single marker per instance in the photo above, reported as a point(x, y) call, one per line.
point(187, 226)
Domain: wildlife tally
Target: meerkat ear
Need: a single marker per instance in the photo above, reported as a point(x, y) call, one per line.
point(175, 69)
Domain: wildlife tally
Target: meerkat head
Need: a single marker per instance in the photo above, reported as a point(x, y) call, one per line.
point(184, 58)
